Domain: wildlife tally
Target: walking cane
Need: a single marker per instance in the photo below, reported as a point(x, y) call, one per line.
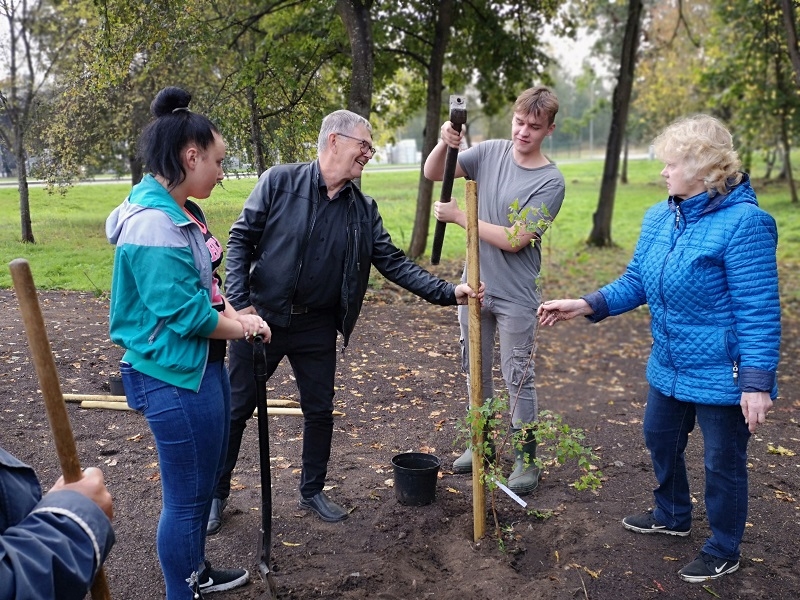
point(260, 375)
point(51, 389)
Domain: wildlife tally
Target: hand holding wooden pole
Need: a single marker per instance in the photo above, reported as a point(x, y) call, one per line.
point(51, 389)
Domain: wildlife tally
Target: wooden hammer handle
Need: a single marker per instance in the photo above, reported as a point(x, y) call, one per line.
point(51, 389)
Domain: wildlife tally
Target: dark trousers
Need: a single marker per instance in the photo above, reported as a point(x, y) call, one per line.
point(310, 345)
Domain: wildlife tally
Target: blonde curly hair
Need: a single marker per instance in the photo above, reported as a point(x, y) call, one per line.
point(704, 146)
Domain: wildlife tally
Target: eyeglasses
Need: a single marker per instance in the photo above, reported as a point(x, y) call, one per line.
point(365, 145)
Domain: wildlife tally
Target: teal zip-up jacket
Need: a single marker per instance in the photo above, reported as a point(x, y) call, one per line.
point(160, 309)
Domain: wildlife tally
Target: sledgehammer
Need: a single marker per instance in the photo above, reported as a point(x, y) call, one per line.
point(51, 389)
point(458, 117)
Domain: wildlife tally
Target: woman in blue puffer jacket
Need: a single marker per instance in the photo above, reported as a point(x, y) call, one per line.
point(705, 265)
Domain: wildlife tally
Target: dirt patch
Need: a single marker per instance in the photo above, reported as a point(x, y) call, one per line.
point(400, 388)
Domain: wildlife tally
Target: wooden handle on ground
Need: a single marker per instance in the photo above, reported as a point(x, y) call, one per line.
point(51, 389)
point(122, 400)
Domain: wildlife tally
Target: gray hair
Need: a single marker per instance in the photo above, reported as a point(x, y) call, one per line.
point(340, 121)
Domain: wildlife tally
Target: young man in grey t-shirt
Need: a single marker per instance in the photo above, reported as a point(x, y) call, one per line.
point(507, 171)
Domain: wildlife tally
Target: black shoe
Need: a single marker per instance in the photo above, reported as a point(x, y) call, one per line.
point(219, 580)
point(706, 567)
point(326, 509)
point(215, 518)
point(647, 523)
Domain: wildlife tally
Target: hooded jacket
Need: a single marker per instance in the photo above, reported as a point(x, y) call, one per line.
point(160, 309)
point(706, 268)
point(267, 242)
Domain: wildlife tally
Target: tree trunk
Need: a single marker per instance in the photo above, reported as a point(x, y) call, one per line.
point(623, 178)
point(256, 143)
point(787, 7)
point(137, 169)
point(22, 186)
point(785, 137)
point(355, 15)
point(787, 156)
point(620, 103)
point(16, 113)
point(769, 161)
point(433, 108)
point(357, 21)
point(26, 227)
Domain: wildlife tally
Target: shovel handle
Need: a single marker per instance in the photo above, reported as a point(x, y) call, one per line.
point(260, 376)
point(51, 389)
point(259, 360)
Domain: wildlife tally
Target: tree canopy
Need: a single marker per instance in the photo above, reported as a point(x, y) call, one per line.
point(81, 75)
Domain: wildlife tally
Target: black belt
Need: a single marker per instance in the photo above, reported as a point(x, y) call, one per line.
point(299, 309)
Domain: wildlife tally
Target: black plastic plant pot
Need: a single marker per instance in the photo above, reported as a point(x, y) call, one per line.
point(415, 475)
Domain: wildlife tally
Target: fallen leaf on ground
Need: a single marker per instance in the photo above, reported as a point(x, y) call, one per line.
point(779, 450)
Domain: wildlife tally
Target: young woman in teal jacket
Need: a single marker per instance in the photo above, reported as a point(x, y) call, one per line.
point(705, 265)
point(168, 313)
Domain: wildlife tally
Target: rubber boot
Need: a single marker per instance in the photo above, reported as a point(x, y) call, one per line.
point(463, 464)
point(525, 477)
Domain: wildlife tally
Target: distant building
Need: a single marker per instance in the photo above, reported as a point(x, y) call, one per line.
point(404, 152)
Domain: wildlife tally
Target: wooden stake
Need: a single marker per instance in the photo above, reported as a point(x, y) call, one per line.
point(110, 405)
point(93, 398)
point(475, 361)
point(271, 410)
point(51, 389)
point(121, 399)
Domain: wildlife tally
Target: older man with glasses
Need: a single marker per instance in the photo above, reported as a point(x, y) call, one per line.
point(300, 255)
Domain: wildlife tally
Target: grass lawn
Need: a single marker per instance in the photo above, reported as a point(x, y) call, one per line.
point(71, 251)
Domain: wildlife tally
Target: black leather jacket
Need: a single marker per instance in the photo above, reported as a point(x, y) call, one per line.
point(267, 242)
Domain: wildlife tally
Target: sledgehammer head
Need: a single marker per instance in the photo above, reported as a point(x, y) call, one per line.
point(458, 110)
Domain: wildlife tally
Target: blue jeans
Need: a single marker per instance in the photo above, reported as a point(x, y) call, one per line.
point(191, 434)
point(667, 424)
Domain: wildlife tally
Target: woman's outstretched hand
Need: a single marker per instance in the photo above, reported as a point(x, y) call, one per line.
point(553, 311)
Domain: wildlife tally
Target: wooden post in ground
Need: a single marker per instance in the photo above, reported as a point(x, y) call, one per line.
point(475, 362)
